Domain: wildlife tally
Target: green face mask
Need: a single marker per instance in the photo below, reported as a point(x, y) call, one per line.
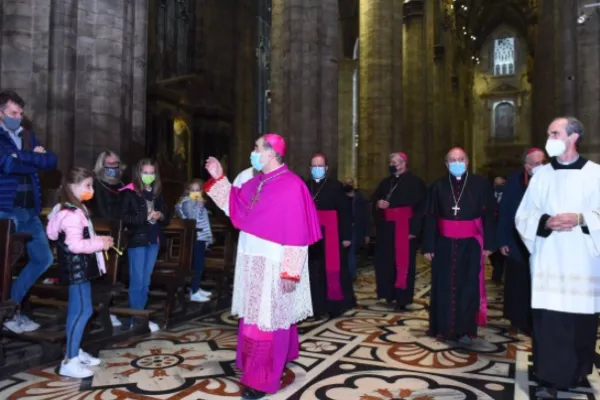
point(148, 179)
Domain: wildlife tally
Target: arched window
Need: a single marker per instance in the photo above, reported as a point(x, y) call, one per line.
point(504, 56)
point(503, 119)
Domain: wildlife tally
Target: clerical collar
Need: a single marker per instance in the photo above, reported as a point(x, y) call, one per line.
point(457, 178)
point(578, 163)
point(271, 173)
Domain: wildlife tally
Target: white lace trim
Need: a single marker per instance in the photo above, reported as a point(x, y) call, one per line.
point(294, 259)
point(258, 296)
point(219, 192)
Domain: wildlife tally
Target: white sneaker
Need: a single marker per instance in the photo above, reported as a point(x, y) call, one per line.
point(87, 359)
point(153, 326)
point(14, 325)
point(199, 297)
point(115, 321)
point(75, 369)
point(27, 324)
point(206, 293)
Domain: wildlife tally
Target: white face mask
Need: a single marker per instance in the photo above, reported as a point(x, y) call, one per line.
point(555, 147)
point(535, 169)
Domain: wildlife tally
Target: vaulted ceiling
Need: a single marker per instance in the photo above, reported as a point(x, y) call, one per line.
point(481, 18)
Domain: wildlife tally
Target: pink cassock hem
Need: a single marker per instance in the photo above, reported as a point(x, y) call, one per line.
point(262, 356)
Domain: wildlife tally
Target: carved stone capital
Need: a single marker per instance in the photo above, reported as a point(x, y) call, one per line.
point(413, 9)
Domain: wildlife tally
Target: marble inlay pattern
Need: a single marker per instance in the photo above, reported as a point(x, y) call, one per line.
point(371, 353)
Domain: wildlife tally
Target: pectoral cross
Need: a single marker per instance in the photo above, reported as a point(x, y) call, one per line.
point(255, 197)
point(456, 209)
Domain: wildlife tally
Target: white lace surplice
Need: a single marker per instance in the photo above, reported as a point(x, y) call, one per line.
point(261, 266)
point(565, 266)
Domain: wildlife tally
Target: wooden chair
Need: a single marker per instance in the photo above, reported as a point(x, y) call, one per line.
point(173, 266)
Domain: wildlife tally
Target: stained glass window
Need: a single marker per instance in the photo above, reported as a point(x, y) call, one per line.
point(504, 56)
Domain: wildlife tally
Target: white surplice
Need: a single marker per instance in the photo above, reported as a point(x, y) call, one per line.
point(565, 266)
point(258, 296)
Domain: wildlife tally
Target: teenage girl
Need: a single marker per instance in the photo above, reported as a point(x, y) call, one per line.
point(144, 215)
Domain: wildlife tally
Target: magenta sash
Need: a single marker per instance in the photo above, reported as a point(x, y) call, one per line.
point(464, 230)
point(400, 216)
point(329, 220)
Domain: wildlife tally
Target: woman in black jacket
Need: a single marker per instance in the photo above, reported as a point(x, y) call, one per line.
point(107, 186)
point(143, 214)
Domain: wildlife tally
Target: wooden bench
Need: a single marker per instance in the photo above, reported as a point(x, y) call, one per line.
point(173, 266)
point(104, 290)
point(220, 260)
point(12, 246)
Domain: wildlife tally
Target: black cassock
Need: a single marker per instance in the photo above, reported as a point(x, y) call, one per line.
point(329, 194)
point(406, 190)
point(517, 277)
point(457, 262)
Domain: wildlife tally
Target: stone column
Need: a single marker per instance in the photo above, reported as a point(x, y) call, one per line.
point(346, 161)
point(417, 81)
point(80, 65)
point(304, 78)
point(380, 88)
point(245, 84)
point(565, 77)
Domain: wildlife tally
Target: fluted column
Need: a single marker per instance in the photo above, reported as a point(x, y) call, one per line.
point(80, 65)
point(304, 77)
point(380, 88)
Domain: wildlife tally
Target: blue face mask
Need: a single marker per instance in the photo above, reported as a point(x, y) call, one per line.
point(12, 124)
point(317, 172)
point(457, 168)
point(112, 172)
point(255, 161)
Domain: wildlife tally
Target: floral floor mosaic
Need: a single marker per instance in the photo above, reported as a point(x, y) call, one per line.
point(371, 353)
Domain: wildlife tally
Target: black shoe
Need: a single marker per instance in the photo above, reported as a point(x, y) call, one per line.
point(252, 394)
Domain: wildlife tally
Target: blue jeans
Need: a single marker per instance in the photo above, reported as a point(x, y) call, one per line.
point(78, 314)
point(352, 257)
point(38, 250)
point(198, 264)
point(141, 265)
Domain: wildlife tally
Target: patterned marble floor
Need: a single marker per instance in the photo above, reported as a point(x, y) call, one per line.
point(371, 353)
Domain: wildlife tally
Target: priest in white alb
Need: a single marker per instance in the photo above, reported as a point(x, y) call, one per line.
point(559, 222)
point(278, 221)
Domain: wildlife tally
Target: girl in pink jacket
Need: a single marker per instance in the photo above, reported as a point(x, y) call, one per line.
point(79, 254)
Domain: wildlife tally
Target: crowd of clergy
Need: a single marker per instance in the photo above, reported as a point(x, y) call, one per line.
point(300, 244)
point(540, 228)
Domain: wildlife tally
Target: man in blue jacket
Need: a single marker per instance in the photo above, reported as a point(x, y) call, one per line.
point(21, 157)
point(517, 286)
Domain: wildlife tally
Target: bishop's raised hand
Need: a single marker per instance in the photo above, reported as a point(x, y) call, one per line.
point(214, 168)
